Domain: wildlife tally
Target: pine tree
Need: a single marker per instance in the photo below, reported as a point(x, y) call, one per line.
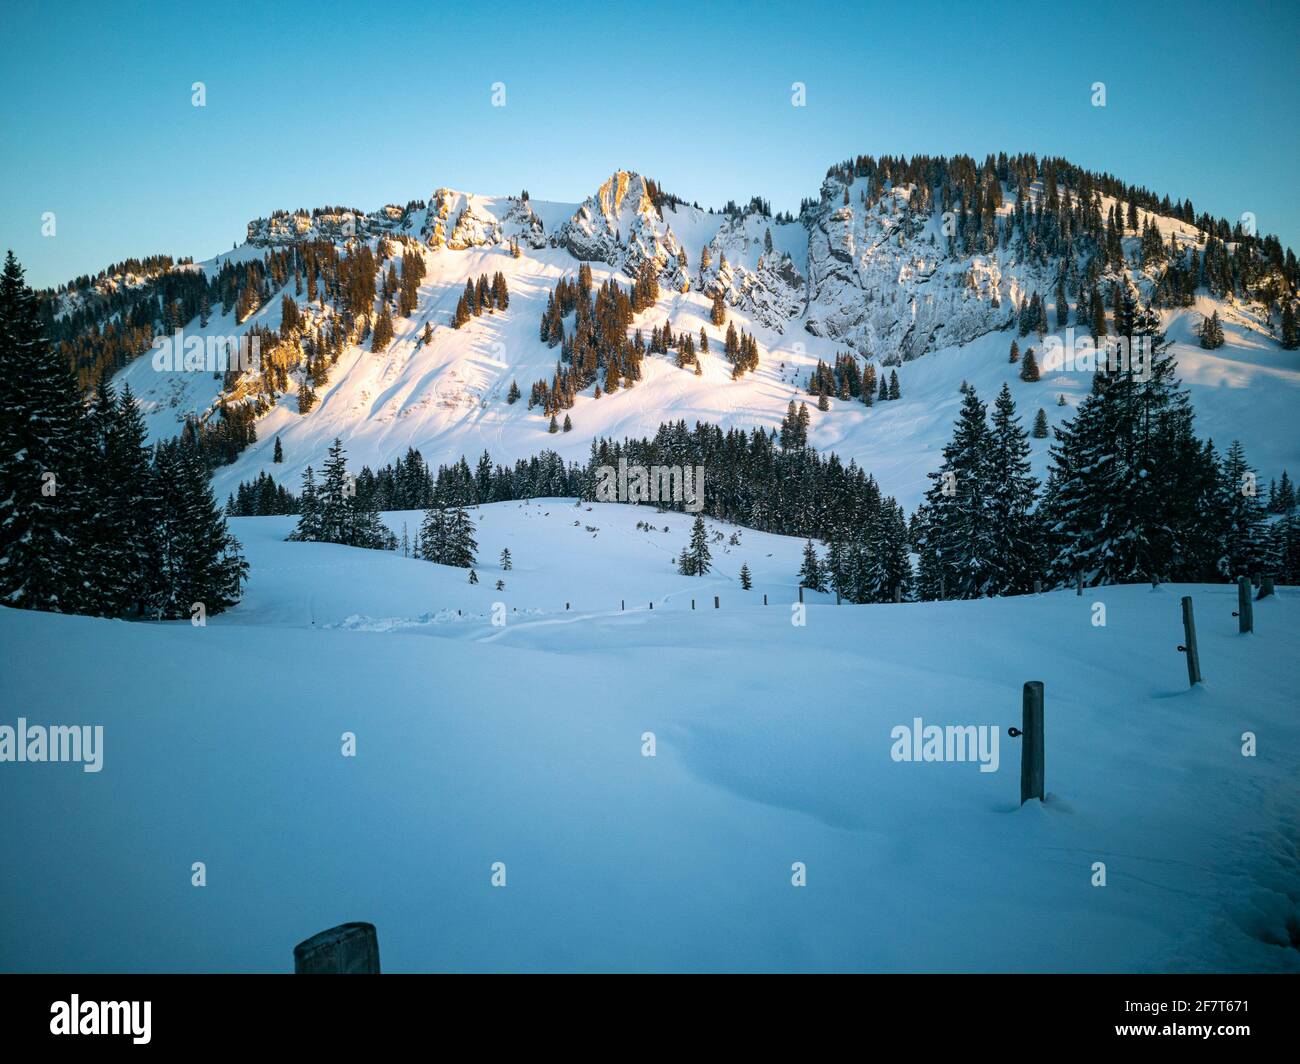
point(1040, 425)
point(1029, 367)
point(811, 574)
point(1015, 351)
point(461, 544)
point(698, 551)
point(1012, 494)
point(512, 396)
point(473, 577)
point(1244, 530)
point(506, 562)
point(200, 562)
point(718, 315)
point(957, 536)
point(336, 492)
point(1290, 334)
point(746, 582)
point(433, 535)
point(1129, 484)
point(278, 455)
point(309, 510)
point(894, 392)
point(1211, 332)
point(44, 509)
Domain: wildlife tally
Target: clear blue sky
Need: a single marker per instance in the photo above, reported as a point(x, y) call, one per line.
point(363, 104)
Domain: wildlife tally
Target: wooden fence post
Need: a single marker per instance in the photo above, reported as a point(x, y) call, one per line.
point(692, 604)
point(801, 592)
point(349, 949)
point(652, 605)
point(1032, 775)
point(715, 602)
point(1189, 644)
point(764, 600)
point(1265, 586)
point(1245, 612)
point(621, 605)
point(1032, 769)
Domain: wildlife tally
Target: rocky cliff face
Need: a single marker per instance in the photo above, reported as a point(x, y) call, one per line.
point(871, 268)
point(330, 223)
point(621, 226)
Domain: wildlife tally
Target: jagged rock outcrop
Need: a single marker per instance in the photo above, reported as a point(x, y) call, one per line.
point(332, 223)
point(456, 222)
point(621, 226)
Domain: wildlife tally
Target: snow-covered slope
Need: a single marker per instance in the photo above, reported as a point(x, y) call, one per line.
point(860, 271)
point(522, 743)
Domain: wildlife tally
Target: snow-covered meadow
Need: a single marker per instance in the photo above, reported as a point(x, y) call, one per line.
point(523, 743)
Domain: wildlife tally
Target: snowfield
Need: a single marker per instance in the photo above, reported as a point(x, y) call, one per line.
point(523, 743)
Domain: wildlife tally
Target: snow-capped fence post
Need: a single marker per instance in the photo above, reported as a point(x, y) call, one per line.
point(1189, 645)
point(1245, 612)
point(1265, 587)
point(1031, 730)
point(349, 949)
point(652, 605)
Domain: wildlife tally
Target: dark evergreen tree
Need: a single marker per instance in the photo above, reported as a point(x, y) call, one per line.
point(45, 510)
point(811, 573)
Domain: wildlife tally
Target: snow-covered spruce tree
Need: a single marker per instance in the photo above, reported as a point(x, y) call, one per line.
point(746, 581)
point(1029, 367)
point(43, 432)
point(199, 560)
point(958, 557)
point(885, 559)
point(1040, 425)
point(1244, 534)
point(461, 544)
point(507, 563)
point(1129, 486)
point(124, 542)
point(700, 558)
point(336, 492)
point(1016, 541)
point(432, 538)
point(811, 573)
point(1282, 558)
point(309, 510)
point(1290, 337)
point(1211, 332)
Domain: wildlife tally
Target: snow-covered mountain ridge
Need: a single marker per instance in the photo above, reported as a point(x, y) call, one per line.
point(884, 265)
